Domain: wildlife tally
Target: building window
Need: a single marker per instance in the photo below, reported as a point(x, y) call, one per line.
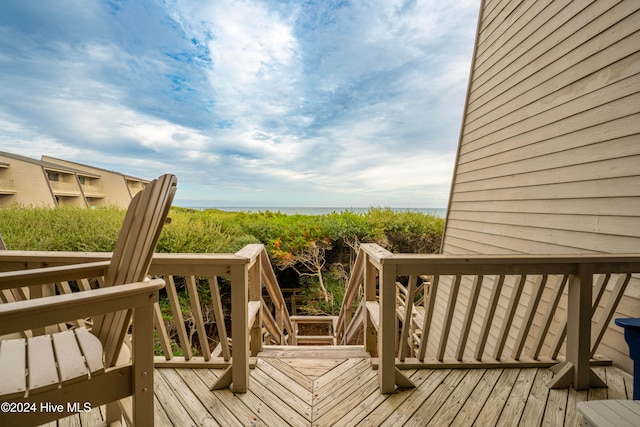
point(53, 176)
point(81, 178)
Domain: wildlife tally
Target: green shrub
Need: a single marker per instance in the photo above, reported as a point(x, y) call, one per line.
point(62, 229)
point(289, 239)
point(194, 232)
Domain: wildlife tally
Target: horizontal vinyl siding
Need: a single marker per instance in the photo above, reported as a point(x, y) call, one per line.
point(549, 154)
point(611, 206)
point(582, 50)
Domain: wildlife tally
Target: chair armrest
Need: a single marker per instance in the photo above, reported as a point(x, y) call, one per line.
point(39, 276)
point(21, 315)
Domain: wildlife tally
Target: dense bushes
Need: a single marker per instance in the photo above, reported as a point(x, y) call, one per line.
point(319, 248)
point(80, 229)
point(62, 229)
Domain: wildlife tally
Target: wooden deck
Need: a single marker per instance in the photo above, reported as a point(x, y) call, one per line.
point(324, 386)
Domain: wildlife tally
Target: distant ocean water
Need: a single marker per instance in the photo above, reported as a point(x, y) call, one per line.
point(318, 211)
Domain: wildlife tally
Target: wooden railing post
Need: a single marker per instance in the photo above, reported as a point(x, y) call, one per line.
point(240, 331)
point(576, 369)
point(387, 328)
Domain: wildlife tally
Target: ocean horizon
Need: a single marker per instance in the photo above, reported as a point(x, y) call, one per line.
point(440, 212)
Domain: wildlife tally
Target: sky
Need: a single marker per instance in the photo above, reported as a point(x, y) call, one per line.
point(289, 103)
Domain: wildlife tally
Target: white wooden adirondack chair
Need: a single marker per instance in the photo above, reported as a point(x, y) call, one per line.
point(47, 377)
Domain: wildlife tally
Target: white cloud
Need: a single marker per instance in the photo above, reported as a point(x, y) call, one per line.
point(319, 103)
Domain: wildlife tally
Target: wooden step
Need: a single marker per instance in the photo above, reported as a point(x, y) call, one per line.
point(315, 339)
point(314, 351)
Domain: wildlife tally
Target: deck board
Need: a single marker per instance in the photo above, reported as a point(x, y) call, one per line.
point(447, 412)
point(331, 414)
point(194, 397)
point(426, 382)
point(517, 399)
point(261, 413)
point(476, 401)
point(426, 412)
point(284, 379)
point(536, 400)
point(344, 392)
point(572, 417)
point(370, 398)
point(497, 399)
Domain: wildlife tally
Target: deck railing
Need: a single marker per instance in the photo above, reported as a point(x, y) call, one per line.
point(483, 311)
point(416, 310)
point(249, 272)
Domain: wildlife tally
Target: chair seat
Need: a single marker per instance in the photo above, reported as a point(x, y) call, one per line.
point(46, 362)
point(611, 413)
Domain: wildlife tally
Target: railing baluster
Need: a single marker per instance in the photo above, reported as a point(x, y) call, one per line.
point(428, 316)
point(607, 314)
point(468, 319)
point(65, 288)
point(268, 276)
point(355, 283)
point(163, 336)
point(280, 325)
point(354, 325)
point(370, 332)
point(451, 308)
point(527, 321)
point(488, 318)
point(83, 284)
point(510, 314)
point(255, 294)
point(270, 323)
point(552, 306)
point(421, 289)
point(559, 340)
point(197, 315)
point(172, 295)
point(599, 289)
point(406, 322)
point(218, 314)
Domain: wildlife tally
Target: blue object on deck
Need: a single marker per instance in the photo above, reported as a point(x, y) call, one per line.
point(632, 336)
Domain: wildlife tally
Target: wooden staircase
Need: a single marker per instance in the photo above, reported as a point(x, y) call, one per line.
point(330, 322)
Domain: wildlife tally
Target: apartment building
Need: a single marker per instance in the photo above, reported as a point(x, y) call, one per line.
point(53, 182)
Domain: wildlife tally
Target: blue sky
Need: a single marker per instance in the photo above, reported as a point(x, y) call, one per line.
point(324, 103)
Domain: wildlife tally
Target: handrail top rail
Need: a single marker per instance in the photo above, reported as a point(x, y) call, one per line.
point(65, 257)
point(564, 263)
point(250, 251)
point(374, 251)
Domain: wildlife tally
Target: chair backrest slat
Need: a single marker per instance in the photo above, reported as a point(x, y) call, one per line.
point(132, 255)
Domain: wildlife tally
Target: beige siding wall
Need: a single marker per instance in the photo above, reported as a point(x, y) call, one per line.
point(29, 182)
point(112, 185)
point(549, 155)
